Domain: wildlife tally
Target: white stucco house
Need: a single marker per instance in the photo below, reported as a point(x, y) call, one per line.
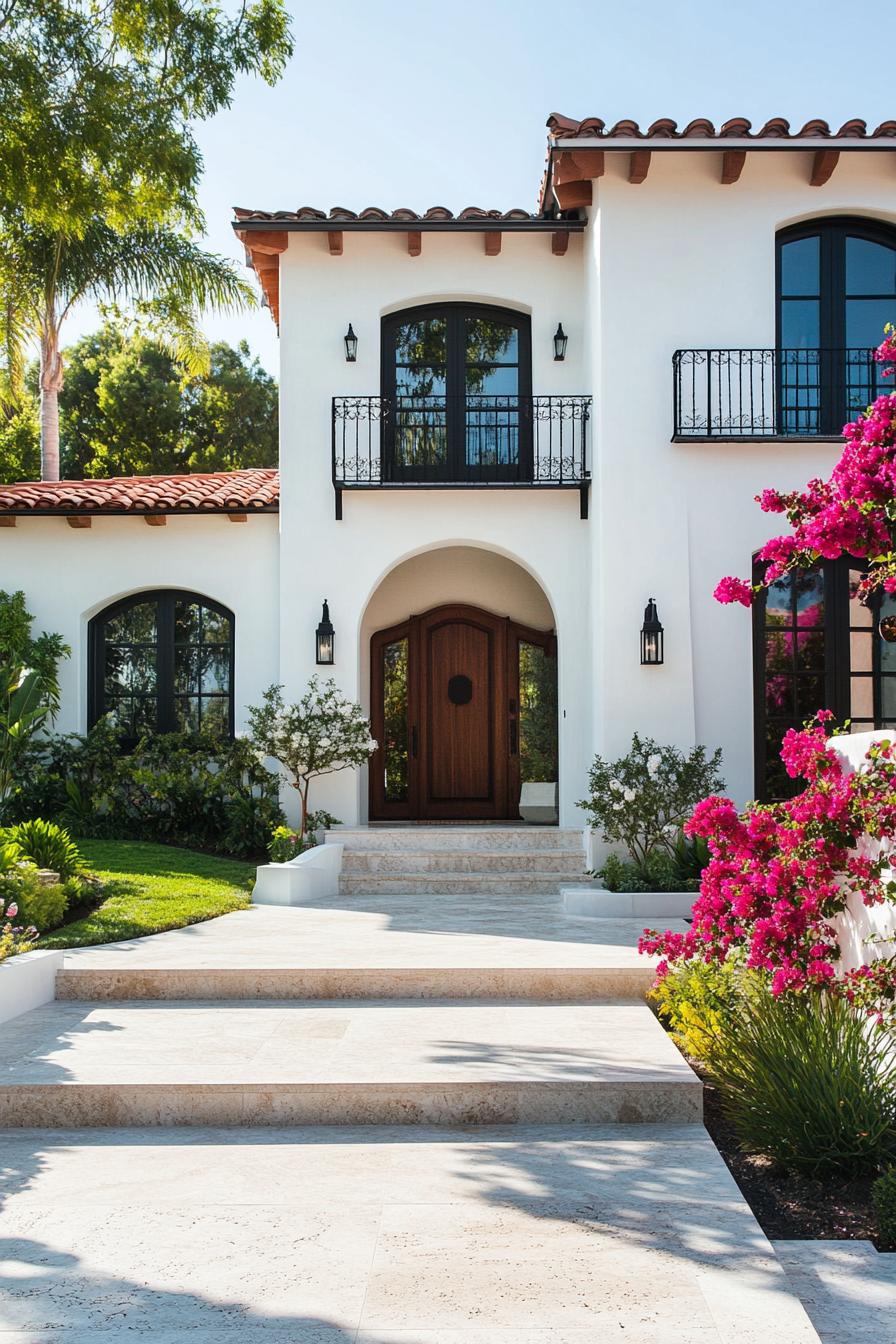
point(501, 436)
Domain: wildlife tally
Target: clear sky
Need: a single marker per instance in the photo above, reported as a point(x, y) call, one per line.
point(444, 103)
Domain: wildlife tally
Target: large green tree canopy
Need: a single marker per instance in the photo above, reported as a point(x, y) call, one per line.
point(128, 408)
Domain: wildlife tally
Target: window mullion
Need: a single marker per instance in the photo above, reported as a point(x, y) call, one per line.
point(166, 717)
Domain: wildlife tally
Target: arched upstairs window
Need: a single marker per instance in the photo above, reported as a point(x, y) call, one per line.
point(836, 291)
point(457, 387)
point(162, 662)
point(815, 646)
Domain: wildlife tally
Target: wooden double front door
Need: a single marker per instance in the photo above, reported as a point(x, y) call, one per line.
point(445, 709)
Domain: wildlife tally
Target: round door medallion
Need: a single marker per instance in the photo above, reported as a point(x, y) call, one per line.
point(460, 690)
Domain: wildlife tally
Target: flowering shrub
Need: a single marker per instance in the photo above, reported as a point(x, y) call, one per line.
point(642, 799)
point(13, 937)
point(780, 874)
point(323, 733)
point(853, 513)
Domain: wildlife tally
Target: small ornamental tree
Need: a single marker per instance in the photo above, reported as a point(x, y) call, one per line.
point(853, 513)
point(642, 799)
point(322, 733)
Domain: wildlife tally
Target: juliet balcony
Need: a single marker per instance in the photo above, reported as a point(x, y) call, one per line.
point(476, 441)
point(750, 394)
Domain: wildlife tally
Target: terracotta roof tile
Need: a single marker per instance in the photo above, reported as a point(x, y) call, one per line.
point(339, 214)
point(776, 128)
point(252, 490)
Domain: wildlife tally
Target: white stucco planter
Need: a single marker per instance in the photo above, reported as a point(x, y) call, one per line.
point(27, 982)
point(309, 876)
point(597, 903)
point(538, 804)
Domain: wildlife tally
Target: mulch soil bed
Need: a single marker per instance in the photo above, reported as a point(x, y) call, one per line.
point(789, 1207)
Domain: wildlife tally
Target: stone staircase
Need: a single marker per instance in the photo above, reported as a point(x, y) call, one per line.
point(458, 860)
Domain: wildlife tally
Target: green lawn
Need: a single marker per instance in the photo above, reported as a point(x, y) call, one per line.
point(150, 888)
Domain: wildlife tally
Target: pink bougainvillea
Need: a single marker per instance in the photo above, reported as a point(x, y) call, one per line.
point(780, 874)
point(853, 513)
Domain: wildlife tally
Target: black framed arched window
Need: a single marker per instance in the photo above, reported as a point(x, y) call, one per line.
point(836, 291)
point(457, 389)
point(162, 662)
point(816, 646)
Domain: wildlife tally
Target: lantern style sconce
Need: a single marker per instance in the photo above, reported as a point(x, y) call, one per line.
point(324, 638)
point(560, 339)
point(651, 637)
point(351, 345)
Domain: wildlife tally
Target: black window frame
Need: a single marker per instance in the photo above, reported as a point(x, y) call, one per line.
point(831, 374)
point(456, 468)
point(837, 671)
point(165, 600)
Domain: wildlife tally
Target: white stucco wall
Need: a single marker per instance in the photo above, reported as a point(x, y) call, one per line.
point(684, 262)
point(346, 561)
point(69, 574)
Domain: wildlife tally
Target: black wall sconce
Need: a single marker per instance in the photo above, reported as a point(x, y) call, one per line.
point(651, 637)
point(560, 339)
point(324, 638)
point(351, 345)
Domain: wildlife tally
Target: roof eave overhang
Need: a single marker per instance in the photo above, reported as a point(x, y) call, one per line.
point(535, 225)
point(79, 511)
point(717, 144)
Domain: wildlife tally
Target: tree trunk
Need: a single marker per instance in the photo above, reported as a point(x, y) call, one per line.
point(50, 383)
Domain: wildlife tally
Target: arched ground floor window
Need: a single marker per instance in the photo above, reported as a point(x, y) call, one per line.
point(816, 646)
point(162, 662)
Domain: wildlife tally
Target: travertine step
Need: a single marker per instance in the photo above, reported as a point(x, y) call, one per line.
point(558, 984)
point(490, 837)
point(452, 884)
point(564, 862)
point(328, 1063)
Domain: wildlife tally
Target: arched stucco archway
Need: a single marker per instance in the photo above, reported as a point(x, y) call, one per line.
point(446, 599)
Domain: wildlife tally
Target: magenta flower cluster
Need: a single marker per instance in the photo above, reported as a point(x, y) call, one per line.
point(780, 874)
point(853, 513)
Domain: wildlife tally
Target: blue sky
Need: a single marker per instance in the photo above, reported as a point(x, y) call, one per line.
point(445, 103)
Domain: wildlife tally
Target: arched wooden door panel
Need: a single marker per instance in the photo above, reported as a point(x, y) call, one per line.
point(445, 711)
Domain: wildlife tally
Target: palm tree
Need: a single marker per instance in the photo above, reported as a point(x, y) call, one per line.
point(43, 276)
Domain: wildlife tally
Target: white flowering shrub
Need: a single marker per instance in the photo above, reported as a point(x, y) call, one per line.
point(322, 733)
point(642, 800)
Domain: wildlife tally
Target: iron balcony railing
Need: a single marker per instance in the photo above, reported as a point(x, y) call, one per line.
point(772, 394)
point(466, 441)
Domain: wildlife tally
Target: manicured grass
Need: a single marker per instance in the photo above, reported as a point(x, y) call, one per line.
point(150, 888)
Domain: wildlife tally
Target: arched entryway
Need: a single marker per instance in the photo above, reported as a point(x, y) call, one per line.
point(464, 706)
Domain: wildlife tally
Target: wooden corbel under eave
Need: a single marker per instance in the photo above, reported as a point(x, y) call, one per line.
point(79, 520)
point(492, 244)
point(7, 520)
point(559, 243)
point(639, 164)
point(237, 517)
point(823, 165)
point(415, 242)
point(733, 161)
point(334, 238)
point(572, 176)
point(155, 519)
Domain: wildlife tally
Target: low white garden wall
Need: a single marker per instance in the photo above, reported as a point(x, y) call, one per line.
point(314, 874)
point(28, 981)
point(865, 933)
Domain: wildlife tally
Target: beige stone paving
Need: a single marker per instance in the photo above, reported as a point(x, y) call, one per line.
point(847, 1287)
point(482, 1236)
point(387, 931)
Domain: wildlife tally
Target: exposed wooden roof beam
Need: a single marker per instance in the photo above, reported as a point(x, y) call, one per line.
point(265, 240)
point(79, 520)
point(559, 244)
point(155, 519)
point(237, 517)
point(492, 244)
point(823, 165)
point(415, 242)
point(334, 238)
point(733, 161)
point(639, 164)
point(574, 171)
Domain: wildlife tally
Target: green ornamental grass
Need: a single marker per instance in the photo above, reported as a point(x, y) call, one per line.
point(809, 1081)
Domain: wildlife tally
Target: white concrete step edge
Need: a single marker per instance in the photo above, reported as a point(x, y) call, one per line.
point(489, 838)
point(598, 903)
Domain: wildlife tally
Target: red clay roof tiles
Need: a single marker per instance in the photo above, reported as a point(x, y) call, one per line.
point(566, 128)
point(252, 490)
